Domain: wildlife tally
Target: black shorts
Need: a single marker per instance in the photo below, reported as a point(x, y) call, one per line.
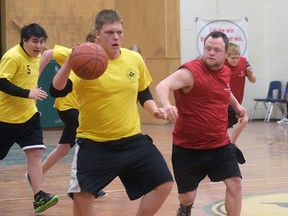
point(136, 160)
point(70, 120)
point(232, 119)
point(192, 166)
point(27, 135)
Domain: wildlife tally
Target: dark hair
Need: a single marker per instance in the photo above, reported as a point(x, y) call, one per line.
point(90, 37)
point(218, 34)
point(107, 16)
point(136, 48)
point(33, 29)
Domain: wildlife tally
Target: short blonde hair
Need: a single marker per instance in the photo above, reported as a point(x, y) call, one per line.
point(234, 49)
point(107, 16)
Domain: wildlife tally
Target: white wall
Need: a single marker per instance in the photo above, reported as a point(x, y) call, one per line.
point(267, 39)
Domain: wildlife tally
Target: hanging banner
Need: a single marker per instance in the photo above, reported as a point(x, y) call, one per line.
point(236, 31)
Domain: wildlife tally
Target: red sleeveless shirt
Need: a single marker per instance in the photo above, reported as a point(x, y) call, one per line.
point(202, 122)
point(238, 77)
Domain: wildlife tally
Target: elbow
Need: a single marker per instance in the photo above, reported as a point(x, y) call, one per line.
point(158, 87)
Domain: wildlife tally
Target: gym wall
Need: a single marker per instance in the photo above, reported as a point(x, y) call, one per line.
point(153, 25)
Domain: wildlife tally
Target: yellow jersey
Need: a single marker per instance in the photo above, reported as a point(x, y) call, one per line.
point(60, 54)
point(23, 71)
point(108, 105)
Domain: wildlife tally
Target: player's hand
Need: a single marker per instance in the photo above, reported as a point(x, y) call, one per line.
point(241, 114)
point(171, 113)
point(249, 71)
point(160, 114)
point(37, 94)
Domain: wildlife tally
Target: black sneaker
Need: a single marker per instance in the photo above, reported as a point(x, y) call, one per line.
point(184, 210)
point(101, 194)
point(43, 201)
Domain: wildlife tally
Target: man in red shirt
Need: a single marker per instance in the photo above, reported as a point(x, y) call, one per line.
point(201, 145)
point(240, 69)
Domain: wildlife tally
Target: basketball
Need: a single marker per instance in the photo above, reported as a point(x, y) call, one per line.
point(88, 60)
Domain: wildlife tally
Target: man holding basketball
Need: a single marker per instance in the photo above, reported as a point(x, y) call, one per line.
point(201, 145)
point(109, 139)
point(67, 109)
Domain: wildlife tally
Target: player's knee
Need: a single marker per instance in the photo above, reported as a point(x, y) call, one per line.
point(165, 187)
point(186, 199)
point(234, 184)
point(246, 120)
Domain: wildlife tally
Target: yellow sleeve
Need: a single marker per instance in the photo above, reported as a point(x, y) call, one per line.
point(61, 53)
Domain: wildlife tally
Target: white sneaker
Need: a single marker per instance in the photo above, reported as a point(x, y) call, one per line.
point(283, 121)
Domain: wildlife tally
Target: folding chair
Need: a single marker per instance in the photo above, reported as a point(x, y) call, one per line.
point(270, 99)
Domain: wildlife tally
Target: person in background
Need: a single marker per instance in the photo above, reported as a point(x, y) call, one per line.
point(19, 117)
point(67, 109)
point(241, 69)
point(284, 121)
point(201, 144)
point(136, 48)
point(109, 127)
point(91, 37)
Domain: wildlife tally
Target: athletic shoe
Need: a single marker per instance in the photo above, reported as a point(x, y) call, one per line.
point(184, 210)
point(28, 180)
point(43, 201)
point(101, 194)
point(283, 121)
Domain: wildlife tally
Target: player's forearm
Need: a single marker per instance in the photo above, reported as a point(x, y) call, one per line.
point(250, 75)
point(234, 102)
point(60, 79)
point(45, 59)
point(150, 106)
point(11, 89)
point(162, 94)
point(252, 78)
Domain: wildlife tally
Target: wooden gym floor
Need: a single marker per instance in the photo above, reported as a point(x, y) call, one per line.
point(265, 178)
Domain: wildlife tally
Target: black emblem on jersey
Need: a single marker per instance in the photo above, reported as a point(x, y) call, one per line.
point(28, 69)
point(131, 75)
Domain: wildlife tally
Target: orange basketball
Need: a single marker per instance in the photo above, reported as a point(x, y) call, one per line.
point(88, 60)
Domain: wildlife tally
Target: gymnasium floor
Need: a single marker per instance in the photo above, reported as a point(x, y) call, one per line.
point(265, 178)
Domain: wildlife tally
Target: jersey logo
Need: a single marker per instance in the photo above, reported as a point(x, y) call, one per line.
point(28, 69)
point(242, 74)
point(228, 89)
point(131, 74)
